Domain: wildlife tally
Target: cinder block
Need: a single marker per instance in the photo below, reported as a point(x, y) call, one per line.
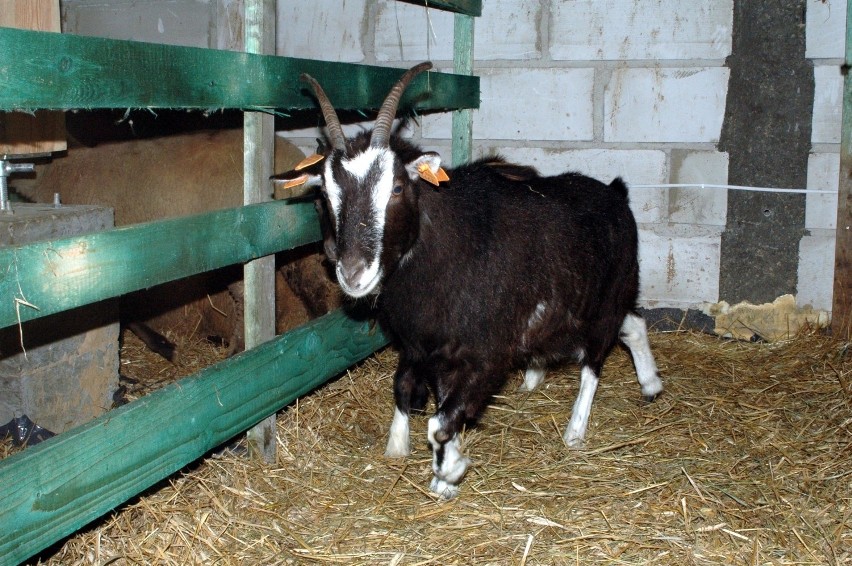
point(406, 32)
point(828, 104)
point(60, 370)
point(508, 29)
point(535, 104)
point(156, 21)
point(636, 166)
point(679, 265)
point(558, 106)
point(823, 175)
point(815, 284)
point(616, 30)
point(665, 105)
point(317, 31)
point(699, 205)
point(825, 29)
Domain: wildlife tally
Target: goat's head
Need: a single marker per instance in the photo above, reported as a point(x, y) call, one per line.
point(370, 189)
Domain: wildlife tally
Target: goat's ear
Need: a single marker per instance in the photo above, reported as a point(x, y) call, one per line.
point(303, 178)
point(428, 168)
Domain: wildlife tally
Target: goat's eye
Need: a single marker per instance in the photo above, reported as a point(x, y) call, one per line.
point(397, 189)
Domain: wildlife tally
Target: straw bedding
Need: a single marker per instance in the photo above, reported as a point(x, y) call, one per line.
point(746, 459)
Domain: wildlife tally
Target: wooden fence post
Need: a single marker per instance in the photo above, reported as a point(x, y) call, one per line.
point(259, 275)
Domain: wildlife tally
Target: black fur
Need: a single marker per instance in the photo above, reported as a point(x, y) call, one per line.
point(486, 250)
point(467, 263)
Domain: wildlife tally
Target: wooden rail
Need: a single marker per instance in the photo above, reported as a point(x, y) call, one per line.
point(60, 485)
point(65, 72)
point(47, 277)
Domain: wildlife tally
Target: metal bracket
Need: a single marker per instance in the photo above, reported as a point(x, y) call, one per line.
point(7, 169)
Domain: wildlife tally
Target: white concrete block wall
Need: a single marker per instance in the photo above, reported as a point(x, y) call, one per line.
point(588, 85)
point(826, 40)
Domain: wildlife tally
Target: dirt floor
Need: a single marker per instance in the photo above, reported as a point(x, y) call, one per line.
point(746, 459)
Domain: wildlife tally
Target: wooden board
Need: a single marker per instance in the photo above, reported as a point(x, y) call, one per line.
point(59, 71)
point(463, 27)
point(25, 133)
point(259, 274)
point(62, 274)
point(67, 481)
point(841, 312)
point(468, 7)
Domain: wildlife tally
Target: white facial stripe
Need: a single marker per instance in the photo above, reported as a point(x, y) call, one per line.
point(361, 164)
point(382, 189)
point(332, 190)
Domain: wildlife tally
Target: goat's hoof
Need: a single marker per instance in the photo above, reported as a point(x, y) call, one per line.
point(652, 397)
point(396, 451)
point(574, 442)
point(443, 489)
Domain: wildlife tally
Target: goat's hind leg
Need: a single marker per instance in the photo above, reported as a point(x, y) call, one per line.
point(410, 393)
point(575, 432)
point(634, 335)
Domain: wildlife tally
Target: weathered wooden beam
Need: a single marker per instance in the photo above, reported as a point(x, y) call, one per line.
point(467, 7)
point(47, 277)
point(259, 274)
point(463, 65)
point(63, 71)
point(841, 312)
point(60, 485)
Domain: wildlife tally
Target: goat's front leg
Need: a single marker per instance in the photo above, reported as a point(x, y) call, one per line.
point(465, 398)
point(448, 464)
point(410, 393)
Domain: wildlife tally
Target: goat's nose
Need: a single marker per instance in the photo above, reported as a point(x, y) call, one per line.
point(350, 272)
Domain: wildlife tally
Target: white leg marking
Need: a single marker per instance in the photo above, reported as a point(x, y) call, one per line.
point(634, 334)
point(398, 438)
point(576, 430)
point(453, 465)
point(532, 378)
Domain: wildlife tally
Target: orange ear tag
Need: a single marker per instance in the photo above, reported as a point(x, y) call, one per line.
point(300, 180)
point(426, 174)
point(308, 161)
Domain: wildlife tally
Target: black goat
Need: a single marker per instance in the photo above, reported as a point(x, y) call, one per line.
point(492, 270)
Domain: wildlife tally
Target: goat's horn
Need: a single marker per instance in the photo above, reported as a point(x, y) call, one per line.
point(381, 131)
point(332, 122)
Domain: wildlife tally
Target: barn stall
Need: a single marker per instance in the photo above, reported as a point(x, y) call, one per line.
point(743, 460)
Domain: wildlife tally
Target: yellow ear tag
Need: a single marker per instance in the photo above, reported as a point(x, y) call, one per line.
point(427, 175)
point(308, 161)
point(300, 180)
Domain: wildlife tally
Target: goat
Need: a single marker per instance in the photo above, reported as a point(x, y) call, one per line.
point(475, 272)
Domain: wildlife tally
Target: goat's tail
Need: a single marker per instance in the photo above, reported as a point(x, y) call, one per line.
point(619, 186)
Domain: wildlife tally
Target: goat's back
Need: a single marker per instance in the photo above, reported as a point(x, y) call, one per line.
point(495, 252)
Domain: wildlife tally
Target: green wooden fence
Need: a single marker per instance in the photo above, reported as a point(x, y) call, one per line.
point(55, 488)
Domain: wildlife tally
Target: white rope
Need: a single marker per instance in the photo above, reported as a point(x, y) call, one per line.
point(734, 187)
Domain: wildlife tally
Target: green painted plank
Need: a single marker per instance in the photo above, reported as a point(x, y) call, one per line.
point(463, 65)
point(468, 7)
point(62, 274)
point(71, 479)
point(62, 71)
